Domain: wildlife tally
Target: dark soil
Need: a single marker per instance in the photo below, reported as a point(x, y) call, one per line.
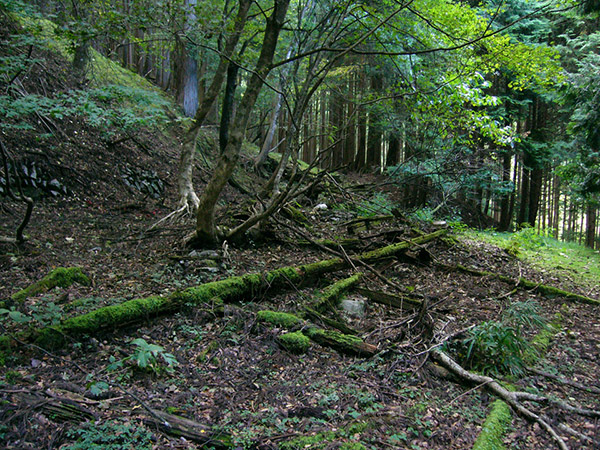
point(232, 374)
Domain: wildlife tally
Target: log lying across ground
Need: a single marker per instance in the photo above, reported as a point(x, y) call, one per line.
point(528, 284)
point(340, 342)
point(210, 294)
point(59, 277)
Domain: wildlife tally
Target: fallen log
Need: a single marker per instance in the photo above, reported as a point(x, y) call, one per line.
point(60, 409)
point(211, 295)
point(331, 296)
point(343, 343)
point(340, 342)
point(364, 223)
point(524, 283)
point(188, 429)
point(59, 277)
point(341, 326)
point(396, 301)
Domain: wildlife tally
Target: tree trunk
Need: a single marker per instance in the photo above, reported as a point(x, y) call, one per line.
point(524, 200)
point(187, 196)
point(206, 231)
point(535, 190)
point(590, 231)
point(227, 110)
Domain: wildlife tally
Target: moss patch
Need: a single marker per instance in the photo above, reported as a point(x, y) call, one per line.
point(281, 319)
point(343, 343)
point(59, 277)
point(295, 342)
point(333, 294)
point(110, 316)
point(494, 427)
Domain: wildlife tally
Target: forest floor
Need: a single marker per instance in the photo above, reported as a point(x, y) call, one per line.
point(231, 373)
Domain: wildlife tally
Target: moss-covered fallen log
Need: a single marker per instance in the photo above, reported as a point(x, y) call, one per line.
point(209, 294)
point(59, 409)
point(340, 342)
point(316, 316)
point(396, 301)
point(60, 277)
point(343, 343)
point(332, 295)
point(524, 283)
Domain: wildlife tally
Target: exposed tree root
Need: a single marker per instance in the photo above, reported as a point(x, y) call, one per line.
point(560, 380)
point(513, 399)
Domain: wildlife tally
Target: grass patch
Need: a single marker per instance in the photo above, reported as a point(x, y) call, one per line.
point(564, 259)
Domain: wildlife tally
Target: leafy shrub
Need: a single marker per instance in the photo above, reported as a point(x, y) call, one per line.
point(110, 435)
point(499, 347)
point(146, 356)
point(378, 204)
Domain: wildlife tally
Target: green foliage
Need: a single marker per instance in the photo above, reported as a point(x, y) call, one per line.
point(564, 259)
point(499, 347)
point(147, 356)
point(110, 435)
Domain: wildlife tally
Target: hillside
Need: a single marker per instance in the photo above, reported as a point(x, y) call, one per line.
point(196, 365)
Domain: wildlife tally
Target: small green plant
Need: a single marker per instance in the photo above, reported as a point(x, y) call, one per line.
point(499, 347)
point(14, 315)
point(111, 435)
point(378, 204)
point(147, 356)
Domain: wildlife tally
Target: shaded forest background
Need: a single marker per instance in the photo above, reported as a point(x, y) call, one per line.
point(485, 112)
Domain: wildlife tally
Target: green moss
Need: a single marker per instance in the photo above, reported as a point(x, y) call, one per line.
point(541, 341)
point(296, 215)
point(352, 446)
point(318, 441)
point(110, 316)
point(280, 319)
point(393, 249)
point(344, 343)
point(294, 342)
point(333, 294)
point(494, 427)
point(59, 277)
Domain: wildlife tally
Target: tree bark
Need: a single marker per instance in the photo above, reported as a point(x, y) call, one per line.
point(206, 231)
point(188, 200)
point(590, 231)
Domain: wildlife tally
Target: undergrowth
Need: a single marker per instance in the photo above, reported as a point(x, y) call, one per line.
point(547, 254)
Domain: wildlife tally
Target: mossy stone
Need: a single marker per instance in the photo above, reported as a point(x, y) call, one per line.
point(295, 342)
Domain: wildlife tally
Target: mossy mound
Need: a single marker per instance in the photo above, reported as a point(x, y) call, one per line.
point(280, 319)
point(60, 277)
point(295, 342)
